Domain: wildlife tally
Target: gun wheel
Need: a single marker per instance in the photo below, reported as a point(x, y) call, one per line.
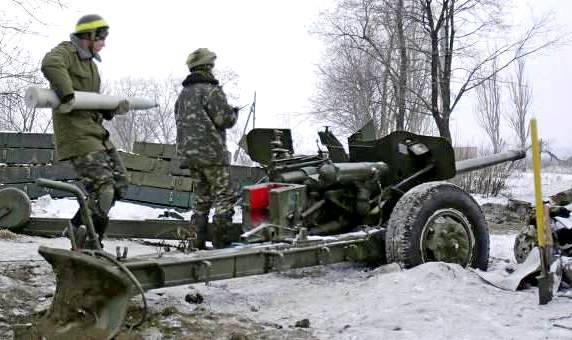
point(524, 242)
point(15, 208)
point(437, 221)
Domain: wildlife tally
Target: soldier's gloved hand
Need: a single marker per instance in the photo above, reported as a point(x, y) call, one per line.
point(122, 108)
point(67, 103)
point(235, 109)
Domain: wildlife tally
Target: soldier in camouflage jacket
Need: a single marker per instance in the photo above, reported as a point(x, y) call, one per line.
point(79, 135)
point(203, 114)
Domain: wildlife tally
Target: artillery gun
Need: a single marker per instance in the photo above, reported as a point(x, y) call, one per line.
point(390, 183)
point(384, 201)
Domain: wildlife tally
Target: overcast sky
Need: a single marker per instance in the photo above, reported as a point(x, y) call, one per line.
point(549, 74)
point(268, 45)
point(265, 42)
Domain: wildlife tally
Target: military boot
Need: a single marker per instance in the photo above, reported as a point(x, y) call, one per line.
point(225, 232)
point(100, 224)
point(200, 222)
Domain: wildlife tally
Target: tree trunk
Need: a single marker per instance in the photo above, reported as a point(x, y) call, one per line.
point(402, 77)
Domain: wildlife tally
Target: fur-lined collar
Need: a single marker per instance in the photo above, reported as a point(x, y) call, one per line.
point(198, 78)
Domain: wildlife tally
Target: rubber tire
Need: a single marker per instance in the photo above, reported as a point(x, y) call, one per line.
point(403, 235)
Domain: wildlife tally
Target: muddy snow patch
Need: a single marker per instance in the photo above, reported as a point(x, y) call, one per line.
point(434, 300)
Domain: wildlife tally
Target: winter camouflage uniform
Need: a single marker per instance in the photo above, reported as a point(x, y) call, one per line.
point(80, 136)
point(103, 177)
point(202, 115)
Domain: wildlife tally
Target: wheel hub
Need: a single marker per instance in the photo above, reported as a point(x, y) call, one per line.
point(447, 236)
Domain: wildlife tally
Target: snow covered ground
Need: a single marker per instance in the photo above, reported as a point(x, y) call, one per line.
point(343, 301)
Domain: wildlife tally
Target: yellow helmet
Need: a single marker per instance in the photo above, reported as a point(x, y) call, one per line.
point(92, 23)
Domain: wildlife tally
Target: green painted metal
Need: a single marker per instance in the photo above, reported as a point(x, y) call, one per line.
point(85, 273)
point(562, 198)
point(15, 208)
point(472, 164)
point(158, 196)
point(139, 194)
point(148, 229)
point(26, 156)
point(171, 269)
point(447, 237)
point(286, 204)
point(165, 151)
point(230, 263)
point(34, 191)
point(242, 176)
point(178, 183)
point(26, 140)
point(323, 202)
point(175, 168)
point(92, 239)
point(145, 164)
point(261, 141)
point(23, 174)
point(85, 283)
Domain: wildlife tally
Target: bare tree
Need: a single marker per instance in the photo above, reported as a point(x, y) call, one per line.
point(545, 147)
point(353, 93)
point(413, 58)
point(18, 16)
point(455, 28)
point(371, 67)
point(17, 19)
point(154, 125)
point(403, 63)
point(14, 114)
point(521, 97)
point(488, 108)
point(229, 80)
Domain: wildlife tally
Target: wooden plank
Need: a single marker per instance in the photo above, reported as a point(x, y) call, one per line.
point(26, 156)
point(26, 140)
point(22, 174)
point(165, 151)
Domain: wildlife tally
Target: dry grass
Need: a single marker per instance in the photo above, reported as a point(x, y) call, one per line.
point(6, 234)
point(487, 182)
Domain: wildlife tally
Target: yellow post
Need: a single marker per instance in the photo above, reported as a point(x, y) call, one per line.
point(545, 280)
point(537, 184)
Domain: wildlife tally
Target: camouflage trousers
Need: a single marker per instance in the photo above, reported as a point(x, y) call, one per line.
point(213, 190)
point(104, 179)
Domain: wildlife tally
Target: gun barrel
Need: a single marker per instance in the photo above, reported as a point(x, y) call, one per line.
point(490, 160)
point(45, 98)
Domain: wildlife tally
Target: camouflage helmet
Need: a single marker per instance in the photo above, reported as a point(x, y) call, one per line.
point(201, 56)
point(92, 25)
